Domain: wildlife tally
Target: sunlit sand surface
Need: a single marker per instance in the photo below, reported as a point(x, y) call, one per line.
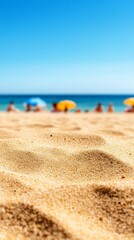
point(66, 176)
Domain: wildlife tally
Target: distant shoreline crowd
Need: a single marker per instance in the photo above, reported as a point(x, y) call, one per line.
point(38, 108)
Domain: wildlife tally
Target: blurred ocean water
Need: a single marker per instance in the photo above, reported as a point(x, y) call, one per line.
point(83, 101)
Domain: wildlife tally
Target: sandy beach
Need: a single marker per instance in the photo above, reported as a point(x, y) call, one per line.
point(66, 176)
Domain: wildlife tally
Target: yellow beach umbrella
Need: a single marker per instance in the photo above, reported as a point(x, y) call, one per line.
point(66, 105)
point(129, 101)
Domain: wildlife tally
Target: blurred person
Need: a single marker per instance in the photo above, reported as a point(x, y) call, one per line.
point(78, 110)
point(38, 108)
point(12, 108)
point(130, 110)
point(87, 110)
point(99, 108)
point(55, 108)
point(28, 108)
point(110, 108)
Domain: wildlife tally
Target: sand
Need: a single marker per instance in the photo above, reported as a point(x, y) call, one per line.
point(66, 176)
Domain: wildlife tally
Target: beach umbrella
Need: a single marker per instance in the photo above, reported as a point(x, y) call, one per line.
point(36, 102)
point(66, 105)
point(129, 101)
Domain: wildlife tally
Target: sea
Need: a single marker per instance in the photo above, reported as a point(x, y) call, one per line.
point(86, 101)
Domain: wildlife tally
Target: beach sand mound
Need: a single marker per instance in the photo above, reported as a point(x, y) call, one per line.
point(116, 208)
point(30, 222)
point(73, 140)
point(96, 206)
point(101, 166)
point(66, 176)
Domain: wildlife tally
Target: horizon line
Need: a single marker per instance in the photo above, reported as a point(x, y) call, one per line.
point(11, 94)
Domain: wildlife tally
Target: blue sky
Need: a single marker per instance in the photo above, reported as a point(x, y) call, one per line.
point(66, 46)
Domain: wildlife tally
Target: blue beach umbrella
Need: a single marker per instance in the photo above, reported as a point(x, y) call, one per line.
point(36, 102)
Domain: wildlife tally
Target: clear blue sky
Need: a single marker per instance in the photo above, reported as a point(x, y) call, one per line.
point(67, 46)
